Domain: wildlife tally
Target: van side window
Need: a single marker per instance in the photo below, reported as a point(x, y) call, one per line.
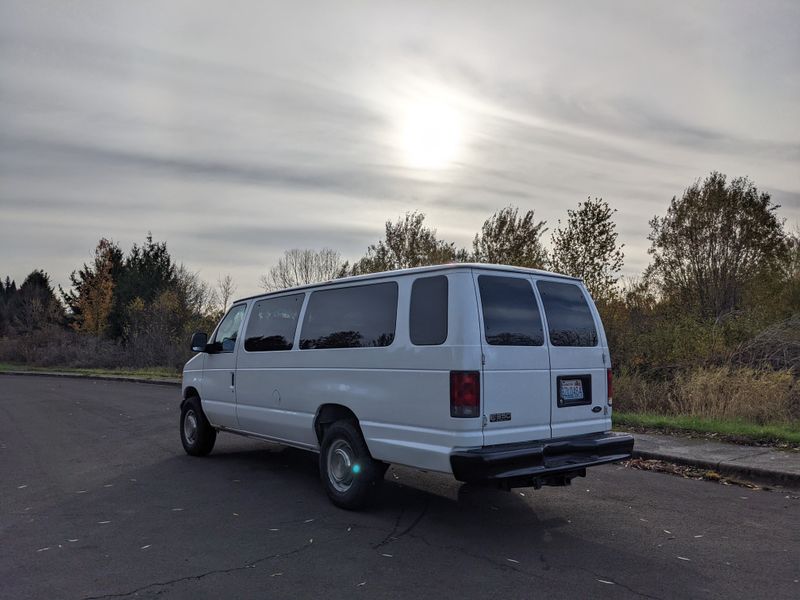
point(350, 317)
point(510, 313)
point(225, 338)
point(272, 324)
point(428, 314)
point(569, 320)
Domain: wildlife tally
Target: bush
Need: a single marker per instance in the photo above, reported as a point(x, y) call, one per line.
point(757, 396)
point(56, 346)
point(59, 347)
point(776, 347)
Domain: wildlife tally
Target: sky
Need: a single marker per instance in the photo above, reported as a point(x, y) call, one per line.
point(236, 130)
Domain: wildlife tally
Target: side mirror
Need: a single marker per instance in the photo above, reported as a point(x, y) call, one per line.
point(199, 342)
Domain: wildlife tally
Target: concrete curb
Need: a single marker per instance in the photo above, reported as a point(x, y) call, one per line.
point(751, 473)
point(123, 378)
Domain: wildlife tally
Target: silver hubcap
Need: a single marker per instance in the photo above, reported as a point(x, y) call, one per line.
point(190, 427)
point(341, 465)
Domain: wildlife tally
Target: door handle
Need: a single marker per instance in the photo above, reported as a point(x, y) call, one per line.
point(233, 382)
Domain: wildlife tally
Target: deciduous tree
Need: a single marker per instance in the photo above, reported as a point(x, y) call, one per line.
point(91, 298)
point(407, 243)
point(715, 241)
point(586, 247)
point(302, 267)
point(507, 238)
point(223, 292)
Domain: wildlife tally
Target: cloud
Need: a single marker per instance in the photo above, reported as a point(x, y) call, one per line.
point(235, 137)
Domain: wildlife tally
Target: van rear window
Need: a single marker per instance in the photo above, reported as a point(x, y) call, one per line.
point(428, 314)
point(510, 313)
point(350, 317)
point(569, 320)
point(272, 324)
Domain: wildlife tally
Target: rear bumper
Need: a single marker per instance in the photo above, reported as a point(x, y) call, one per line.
point(542, 462)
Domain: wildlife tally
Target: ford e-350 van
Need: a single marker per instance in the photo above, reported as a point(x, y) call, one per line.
point(492, 373)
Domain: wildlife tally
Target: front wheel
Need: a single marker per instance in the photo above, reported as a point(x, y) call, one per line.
point(197, 434)
point(349, 473)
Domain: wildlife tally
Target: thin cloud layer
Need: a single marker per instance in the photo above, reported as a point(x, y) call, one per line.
point(236, 131)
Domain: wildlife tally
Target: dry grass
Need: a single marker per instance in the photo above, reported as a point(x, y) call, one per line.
point(746, 394)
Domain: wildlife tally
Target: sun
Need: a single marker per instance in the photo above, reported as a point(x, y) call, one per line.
point(431, 135)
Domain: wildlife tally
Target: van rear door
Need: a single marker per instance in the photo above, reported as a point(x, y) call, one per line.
point(516, 368)
point(578, 359)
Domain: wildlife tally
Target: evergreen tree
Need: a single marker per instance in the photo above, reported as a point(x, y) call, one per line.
point(146, 272)
point(35, 305)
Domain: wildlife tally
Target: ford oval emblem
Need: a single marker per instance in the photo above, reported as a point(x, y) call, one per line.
point(596, 409)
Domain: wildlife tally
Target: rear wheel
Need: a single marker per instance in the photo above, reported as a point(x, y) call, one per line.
point(197, 434)
point(349, 473)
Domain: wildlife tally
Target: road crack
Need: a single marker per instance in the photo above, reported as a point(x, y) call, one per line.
point(393, 536)
point(249, 565)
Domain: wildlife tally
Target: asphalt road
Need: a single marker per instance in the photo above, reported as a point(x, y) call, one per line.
point(98, 500)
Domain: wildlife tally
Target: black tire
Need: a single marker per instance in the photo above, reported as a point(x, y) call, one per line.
point(197, 434)
point(350, 475)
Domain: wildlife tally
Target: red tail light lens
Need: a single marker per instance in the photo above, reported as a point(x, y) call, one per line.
point(465, 393)
point(610, 387)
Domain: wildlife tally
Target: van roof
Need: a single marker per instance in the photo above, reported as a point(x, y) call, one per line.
point(412, 271)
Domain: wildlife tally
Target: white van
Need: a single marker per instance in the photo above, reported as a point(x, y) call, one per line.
point(492, 373)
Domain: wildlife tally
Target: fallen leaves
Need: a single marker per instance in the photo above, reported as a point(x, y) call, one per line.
point(687, 472)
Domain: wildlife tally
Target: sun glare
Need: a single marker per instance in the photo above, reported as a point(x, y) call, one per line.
point(431, 135)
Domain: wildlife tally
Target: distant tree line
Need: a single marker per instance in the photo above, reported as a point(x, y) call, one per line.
point(722, 288)
point(136, 307)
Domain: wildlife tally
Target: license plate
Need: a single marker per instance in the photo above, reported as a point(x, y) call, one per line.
point(571, 389)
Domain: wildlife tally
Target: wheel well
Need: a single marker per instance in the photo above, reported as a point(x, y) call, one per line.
point(330, 413)
point(189, 392)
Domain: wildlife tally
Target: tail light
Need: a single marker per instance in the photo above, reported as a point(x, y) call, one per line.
point(465, 393)
point(610, 387)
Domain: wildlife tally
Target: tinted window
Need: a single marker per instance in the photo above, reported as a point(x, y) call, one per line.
point(352, 317)
point(569, 319)
point(510, 313)
point(428, 316)
point(272, 324)
point(225, 338)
